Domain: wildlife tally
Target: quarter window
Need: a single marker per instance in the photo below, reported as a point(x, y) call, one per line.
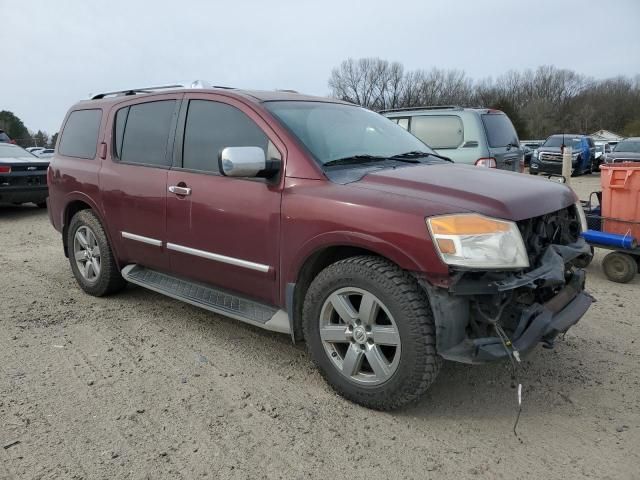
point(141, 133)
point(213, 126)
point(441, 131)
point(80, 134)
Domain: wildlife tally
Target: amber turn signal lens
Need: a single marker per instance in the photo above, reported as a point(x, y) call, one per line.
point(466, 225)
point(446, 245)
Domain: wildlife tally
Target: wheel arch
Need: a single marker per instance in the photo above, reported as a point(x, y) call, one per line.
point(76, 203)
point(317, 259)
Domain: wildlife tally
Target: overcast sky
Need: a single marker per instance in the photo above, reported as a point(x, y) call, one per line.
point(57, 52)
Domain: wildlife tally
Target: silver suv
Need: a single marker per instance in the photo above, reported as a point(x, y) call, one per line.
point(476, 136)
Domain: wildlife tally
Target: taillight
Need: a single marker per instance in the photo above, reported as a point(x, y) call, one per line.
point(486, 162)
point(5, 169)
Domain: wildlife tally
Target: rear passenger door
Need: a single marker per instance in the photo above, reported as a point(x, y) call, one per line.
point(133, 179)
point(223, 230)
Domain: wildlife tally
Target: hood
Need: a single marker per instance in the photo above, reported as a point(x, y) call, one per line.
point(633, 156)
point(491, 192)
point(549, 149)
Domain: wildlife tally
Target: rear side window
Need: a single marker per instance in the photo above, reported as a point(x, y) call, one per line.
point(438, 131)
point(500, 131)
point(80, 134)
point(141, 133)
point(213, 126)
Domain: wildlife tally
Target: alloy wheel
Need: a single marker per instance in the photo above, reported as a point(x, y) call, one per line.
point(86, 253)
point(360, 336)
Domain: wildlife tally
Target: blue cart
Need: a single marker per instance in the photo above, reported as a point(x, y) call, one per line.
point(623, 263)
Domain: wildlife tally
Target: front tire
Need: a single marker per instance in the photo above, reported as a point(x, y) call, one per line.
point(370, 331)
point(92, 261)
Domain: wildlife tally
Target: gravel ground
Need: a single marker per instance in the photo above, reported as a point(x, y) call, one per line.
point(141, 386)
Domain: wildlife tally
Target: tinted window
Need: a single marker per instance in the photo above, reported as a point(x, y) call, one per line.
point(213, 126)
point(142, 133)
point(500, 131)
point(80, 135)
point(8, 150)
point(439, 131)
point(559, 140)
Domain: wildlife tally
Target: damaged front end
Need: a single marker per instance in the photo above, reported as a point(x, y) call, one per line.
point(529, 306)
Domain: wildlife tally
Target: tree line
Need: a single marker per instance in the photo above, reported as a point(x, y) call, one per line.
point(539, 102)
point(16, 129)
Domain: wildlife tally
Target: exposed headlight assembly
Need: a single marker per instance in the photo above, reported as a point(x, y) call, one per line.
point(476, 241)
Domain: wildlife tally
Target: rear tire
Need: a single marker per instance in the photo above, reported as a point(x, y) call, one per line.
point(619, 267)
point(358, 357)
point(90, 256)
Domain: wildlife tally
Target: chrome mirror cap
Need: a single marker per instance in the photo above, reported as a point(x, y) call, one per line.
point(242, 161)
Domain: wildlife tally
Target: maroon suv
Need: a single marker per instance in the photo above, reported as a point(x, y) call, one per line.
point(320, 219)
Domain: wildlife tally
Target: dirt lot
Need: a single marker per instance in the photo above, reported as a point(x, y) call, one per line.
point(142, 386)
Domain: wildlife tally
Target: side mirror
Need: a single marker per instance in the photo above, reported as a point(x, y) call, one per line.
point(242, 162)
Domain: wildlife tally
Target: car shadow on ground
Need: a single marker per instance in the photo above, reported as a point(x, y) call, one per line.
point(10, 212)
point(459, 391)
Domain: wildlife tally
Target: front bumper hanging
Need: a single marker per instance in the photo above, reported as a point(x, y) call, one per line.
point(464, 335)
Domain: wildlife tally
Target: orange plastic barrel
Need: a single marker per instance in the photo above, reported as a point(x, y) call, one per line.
point(621, 198)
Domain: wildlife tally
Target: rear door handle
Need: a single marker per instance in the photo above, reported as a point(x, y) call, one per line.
point(180, 190)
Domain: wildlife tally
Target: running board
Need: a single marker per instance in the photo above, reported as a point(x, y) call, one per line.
point(209, 298)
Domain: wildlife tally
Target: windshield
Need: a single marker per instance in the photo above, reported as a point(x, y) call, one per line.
point(12, 151)
point(556, 141)
point(628, 146)
point(500, 131)
point(332, 131)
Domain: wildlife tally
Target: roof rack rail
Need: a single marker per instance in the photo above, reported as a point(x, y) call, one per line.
point(424, 107)
point(134, 91)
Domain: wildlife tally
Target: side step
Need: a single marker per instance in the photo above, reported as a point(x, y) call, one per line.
point(209, 298)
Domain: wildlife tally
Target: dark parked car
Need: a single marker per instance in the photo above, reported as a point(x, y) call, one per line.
point(627, 150)
point(319, 219)
point(529, 147)
point(23, 176)
point(548, 158)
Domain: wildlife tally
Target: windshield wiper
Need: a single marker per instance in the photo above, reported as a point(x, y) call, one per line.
point(355, 159)
point(418, 154)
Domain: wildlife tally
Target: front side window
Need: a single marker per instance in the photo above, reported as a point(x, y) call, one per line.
point(141, 133)
point(331, 131)
point(439, 131)
point(213, 126)
point(80, 134)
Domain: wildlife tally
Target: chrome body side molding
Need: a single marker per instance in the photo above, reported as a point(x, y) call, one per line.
point(140, 238)
point(238, 262)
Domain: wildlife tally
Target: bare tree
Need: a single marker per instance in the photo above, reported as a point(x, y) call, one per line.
point(540, 101)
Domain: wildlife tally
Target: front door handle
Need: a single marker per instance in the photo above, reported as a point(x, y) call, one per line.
point(180, 190)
